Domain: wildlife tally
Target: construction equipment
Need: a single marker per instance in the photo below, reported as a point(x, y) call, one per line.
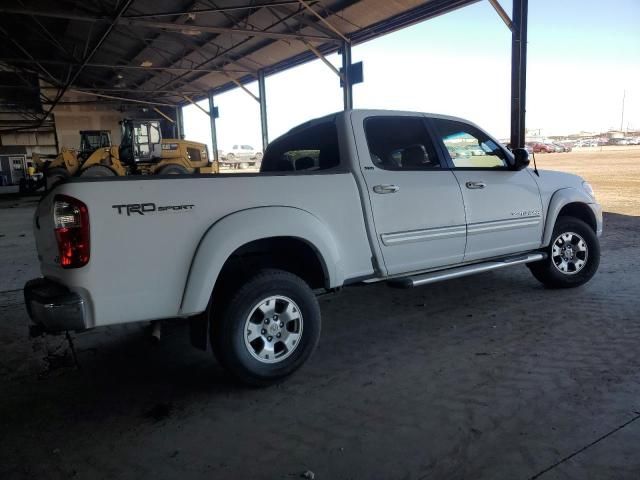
point(142, 151)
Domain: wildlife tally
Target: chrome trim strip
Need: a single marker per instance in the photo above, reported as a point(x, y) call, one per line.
point(500, 225)
point(399, 238)
point(426, 278)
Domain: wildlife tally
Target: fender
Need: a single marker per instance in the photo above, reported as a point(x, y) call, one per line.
point(237, 229)
point(564, 197)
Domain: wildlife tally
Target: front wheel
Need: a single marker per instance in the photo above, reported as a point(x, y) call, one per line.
point(97, 171)
point(268, 329)
point(173, 169)
point(573, 255)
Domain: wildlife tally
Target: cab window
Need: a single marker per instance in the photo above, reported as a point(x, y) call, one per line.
point(311, 149)
point(468, 146)
point(400, 143)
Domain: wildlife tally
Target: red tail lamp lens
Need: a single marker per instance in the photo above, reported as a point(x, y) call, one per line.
point(71, 223)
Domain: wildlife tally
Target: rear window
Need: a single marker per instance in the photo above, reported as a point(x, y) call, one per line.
point(312, 149)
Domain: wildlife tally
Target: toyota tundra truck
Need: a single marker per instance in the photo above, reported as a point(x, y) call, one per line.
point(355, 197)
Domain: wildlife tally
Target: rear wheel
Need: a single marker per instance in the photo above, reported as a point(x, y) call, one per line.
point(54, 176)
point(573, 255)
point(173, 170)
point(97, 171)
point(268, 329)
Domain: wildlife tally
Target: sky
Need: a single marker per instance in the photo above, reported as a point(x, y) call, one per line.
point(583, 56)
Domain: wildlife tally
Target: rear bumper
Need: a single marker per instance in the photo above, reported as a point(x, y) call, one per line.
point(52, 307)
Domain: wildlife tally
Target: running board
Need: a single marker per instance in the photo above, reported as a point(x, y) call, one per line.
point(449, 274)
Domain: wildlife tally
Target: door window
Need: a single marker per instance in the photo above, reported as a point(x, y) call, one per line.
point(468, 146)
point(400, 143)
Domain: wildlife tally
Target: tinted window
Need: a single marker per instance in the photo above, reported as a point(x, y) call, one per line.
point(400, 143)
point(468, 146)
point(311, 149)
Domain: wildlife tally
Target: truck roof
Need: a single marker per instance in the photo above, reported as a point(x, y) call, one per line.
point(373, 113)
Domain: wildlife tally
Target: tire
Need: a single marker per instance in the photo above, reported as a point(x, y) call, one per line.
point(173, 170)
point(53, 176)
point(575, 266)
point(241, 330)
point(97, 171)
point(258, 156)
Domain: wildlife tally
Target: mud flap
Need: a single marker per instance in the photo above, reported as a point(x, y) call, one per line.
point(198, 331)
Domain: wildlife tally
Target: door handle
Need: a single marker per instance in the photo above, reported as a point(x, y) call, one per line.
point(476, 185)
point(386, 188)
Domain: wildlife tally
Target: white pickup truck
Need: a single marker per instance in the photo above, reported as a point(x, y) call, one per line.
point(357, 196)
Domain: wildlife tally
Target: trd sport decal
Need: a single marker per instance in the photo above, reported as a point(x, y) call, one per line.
point(150, 208)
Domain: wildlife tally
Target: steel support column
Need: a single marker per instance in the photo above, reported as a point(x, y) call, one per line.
point(263, 110)
point(347, 88)
point(179, 123)
point(518, 72)
point(212, 122)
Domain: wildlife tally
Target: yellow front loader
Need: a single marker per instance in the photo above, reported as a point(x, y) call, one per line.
point(142, 151)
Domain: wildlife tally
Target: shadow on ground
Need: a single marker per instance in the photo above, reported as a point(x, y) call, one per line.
point(490, 376)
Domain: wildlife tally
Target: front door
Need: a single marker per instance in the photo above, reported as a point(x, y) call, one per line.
point(416, 203)
point(503, 206)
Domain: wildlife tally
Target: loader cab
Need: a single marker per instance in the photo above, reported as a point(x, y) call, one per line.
point(141, 141)
point(92, 140)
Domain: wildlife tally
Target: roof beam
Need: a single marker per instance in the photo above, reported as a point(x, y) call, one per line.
point(246, 90)
point(323, 20)
point(212, 10)
point(123, 67)
point(503, 14)
point(319, 54)
point(192, 29)
point(224, 54)
point(123, 99)
point(54, 14)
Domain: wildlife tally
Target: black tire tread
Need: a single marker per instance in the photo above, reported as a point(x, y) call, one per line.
point(546, 273)
point(222, 324)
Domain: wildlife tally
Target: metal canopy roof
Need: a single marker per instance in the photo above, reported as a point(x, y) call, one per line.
point(173, 51)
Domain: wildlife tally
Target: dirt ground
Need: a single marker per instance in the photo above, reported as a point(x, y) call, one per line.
point(614, 173)
point(485, 377)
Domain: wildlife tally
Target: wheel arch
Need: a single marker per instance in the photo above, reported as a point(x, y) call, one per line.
point(574, 203)
point(254, 230)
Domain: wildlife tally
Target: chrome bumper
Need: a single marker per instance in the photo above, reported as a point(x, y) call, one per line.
point(52, 307)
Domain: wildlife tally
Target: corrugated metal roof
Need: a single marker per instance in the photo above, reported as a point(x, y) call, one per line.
point(161, 50)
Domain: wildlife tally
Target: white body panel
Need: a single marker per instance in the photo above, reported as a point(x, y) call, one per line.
point(503, 217)
point(140, 264)
point(421, 224)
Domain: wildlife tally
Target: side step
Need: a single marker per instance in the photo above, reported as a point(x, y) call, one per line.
point(451, 273)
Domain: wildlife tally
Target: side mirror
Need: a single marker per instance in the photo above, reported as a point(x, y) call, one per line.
point(520, 159)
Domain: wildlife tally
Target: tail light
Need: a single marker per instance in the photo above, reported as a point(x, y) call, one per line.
point(71, 223)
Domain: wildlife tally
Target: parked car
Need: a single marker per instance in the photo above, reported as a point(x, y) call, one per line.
point(540, 147)
point(561, 147)
point(618, 141)
point(351, 198)
point(240, 156)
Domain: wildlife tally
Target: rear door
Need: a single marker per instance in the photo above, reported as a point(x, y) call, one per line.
point(503, 207)
point(416, 203)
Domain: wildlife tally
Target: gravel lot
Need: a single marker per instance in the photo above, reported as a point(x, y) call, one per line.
point(491, 377)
